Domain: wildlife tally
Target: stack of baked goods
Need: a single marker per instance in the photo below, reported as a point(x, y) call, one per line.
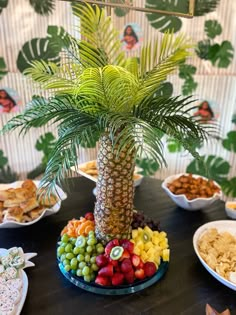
point(23, 204)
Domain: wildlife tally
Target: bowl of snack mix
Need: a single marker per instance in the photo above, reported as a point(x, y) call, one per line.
point(191, 192)
point(230, 209)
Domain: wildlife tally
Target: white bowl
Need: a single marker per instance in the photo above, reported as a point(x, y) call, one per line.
point(79, 169)
point(46, 212)
point(230, 209)
point(221, 226)
point(183, 202)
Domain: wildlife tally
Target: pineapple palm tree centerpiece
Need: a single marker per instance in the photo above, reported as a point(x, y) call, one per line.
point(97, 90)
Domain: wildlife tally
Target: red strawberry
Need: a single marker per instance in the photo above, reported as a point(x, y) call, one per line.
point(125, 254)
point(110, 245)
point(139, 274)
point(117, 268)
point(129, 277)
point(126, 244)
point(101, 261)
point(135, 260)
point(149, 268)
point(117, 278)
point(106, 271)
point(141, 264)
point(126, 265)
point(113, 262)
point(102, 280)
point(89, 216)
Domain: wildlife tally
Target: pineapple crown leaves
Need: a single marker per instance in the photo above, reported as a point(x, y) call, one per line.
point(93, 96)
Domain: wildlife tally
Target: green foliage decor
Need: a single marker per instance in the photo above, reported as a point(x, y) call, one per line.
point(3, 5)
point(100, 90)
point(3, 68)
point(186, 72)
point(43, 7)
point(6, 174)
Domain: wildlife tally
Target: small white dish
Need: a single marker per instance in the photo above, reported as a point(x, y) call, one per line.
point(23, 277)
point(221, 226)
point(46, 212)
point(230, 209)
point(183, 202)
point(79, 169)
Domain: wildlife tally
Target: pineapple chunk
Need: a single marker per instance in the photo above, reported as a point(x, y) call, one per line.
point(148, 245)
point(151, 251)
point(137, 251)
point(156, 233)
point(140, 231)
point(139, 244)
point(162, 234)
point(164, 244)
point(166, 255)
point(144, 256)
point(155, 240)
point(134, 234)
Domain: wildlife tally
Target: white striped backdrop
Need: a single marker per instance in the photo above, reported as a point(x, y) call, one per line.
point(19, 23)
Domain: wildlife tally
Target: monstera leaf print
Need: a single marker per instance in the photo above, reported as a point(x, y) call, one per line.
point(221, 55)
point(148, 166)
point(3, 4)
point(212, 28)
point(229, 187)
point(46, 49)
point(165, 22)
point(234, 119)
point(165, 90)
point(230, 142)
point(211, 166)
point(43, 7)
point(3, 68)
point(203, 7)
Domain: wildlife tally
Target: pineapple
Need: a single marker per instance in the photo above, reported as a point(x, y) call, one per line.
point(115, 191)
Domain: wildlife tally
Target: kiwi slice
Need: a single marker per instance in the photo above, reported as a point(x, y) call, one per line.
point(80, 242)
point(146, 237)
point(116, 252)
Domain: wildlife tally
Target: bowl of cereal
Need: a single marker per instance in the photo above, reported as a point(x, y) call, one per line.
point(230, 209)
point(191, 192)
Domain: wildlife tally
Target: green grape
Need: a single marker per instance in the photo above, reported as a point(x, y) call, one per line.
point(66, 262)
point(85, 271)
point(60, 251)
point(82, 251)
point(76, 251)
point(94, 267)
point(80, 257)
point(79, 273)
point(65, 238)
point(63, 257)
point(87, 258)
point(82, 264)
point(100, 249)
point(69, 256)
point(87, 278)
point(93, 259)
point(92, 241)
point(67, 268)
point(68, 248)
point(92, 276)
point(73, 240)
point(63, 244)
point(73, 263)
point(89, 249)
point(91, 234)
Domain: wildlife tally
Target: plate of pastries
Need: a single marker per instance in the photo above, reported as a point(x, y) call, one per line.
point(22, 204)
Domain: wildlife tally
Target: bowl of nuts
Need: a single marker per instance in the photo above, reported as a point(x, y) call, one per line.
point(191, 192)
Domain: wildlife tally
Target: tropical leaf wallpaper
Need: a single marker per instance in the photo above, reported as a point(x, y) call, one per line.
point(210, 76)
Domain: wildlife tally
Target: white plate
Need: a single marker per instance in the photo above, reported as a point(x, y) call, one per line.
point(77, 169)
point(221, 226)
point(24, 289)
point(46, 212)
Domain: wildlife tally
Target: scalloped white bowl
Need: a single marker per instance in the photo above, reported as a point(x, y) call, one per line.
point(183, 202)
point(46, 212)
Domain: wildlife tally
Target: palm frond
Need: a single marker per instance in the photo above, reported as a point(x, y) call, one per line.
point(158, 62)
point(97, 29)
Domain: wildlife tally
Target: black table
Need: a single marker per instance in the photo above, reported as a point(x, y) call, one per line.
point(185, 289)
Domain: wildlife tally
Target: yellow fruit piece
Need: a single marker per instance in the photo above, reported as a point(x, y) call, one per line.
point(166, 255)
point(144, 256)
point(151, 251)
point(148, 231)
point(157, 260)
point(140, 231)
point(164, 244)
point(155, 240)
point(132, 241)
point(140, 245)
point(148, 245)
point(156, 233)
point(162, 234)
point(134, 234)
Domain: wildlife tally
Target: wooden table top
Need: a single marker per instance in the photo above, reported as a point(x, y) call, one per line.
point(185, 289)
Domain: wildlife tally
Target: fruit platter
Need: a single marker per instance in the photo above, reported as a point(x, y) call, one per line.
point(118, 267)
point(13, 279)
